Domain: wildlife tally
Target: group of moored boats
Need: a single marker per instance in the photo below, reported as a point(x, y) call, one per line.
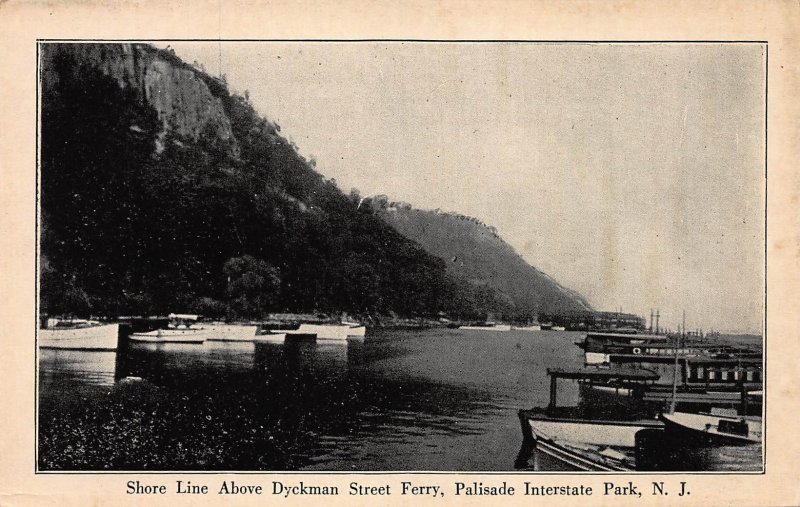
point(644, 398)
point(81, 334)
point(668, 392)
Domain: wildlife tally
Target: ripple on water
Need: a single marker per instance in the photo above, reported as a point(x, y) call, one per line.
point(427, 400)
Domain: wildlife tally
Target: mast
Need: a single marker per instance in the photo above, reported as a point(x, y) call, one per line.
point(675, 373)
point(657, 316)
point(683, 329)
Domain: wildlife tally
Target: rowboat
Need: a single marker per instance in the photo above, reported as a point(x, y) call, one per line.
point(78, 334)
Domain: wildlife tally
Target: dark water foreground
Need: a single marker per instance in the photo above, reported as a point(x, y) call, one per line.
point(432, 400)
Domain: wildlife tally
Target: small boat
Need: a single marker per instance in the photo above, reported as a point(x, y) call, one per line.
point(529, 327)
point(588, 444)
point(719, 426)
point(357, 331)
point(189, 335)
point(339, 332)
point(489, 326)
point(181, 329)
point(558, 328)
point(716, 428)
point(584, 444)
point(218, 331)
point(78, 334)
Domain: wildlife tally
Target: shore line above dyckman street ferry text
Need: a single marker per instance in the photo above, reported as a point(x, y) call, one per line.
point(285, 489)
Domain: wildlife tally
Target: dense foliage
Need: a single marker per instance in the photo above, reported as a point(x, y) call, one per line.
point(494, 278)
point(138, 219)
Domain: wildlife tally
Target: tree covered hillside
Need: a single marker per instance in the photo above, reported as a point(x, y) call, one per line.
point(140, 218)
point(477, 256)
point(161, 192)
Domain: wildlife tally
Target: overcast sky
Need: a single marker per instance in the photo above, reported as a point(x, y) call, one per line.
point(632, 173)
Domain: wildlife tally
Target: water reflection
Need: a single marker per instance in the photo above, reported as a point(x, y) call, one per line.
point(431, 400)
point(63, 365)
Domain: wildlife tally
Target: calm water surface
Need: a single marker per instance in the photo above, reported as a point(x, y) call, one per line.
point(399, 400)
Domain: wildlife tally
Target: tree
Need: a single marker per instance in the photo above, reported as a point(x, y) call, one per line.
point(253, 286)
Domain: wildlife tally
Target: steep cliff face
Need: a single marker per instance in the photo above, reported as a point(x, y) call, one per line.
point(475, 252)
point(183, 97)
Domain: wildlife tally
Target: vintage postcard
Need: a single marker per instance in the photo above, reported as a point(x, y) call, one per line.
point(452, 256)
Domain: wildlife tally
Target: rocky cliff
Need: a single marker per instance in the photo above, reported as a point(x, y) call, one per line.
point(187, 100)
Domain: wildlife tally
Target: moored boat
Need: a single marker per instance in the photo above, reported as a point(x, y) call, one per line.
point(197, 335)
point(357, 331)
point(489, 326)
point(529, 327)
point(78, 334)
point(598, 347)
point(181, 329)
point(329, 331)
point(715, 428)
point(616, 347)
point(589, 443)
point(584, 444)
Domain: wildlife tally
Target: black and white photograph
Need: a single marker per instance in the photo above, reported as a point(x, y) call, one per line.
point(401, 255)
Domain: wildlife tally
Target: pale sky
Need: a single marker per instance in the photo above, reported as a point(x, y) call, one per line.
point(632, 173)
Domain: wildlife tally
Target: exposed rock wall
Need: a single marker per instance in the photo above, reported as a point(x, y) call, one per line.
point(182, 98)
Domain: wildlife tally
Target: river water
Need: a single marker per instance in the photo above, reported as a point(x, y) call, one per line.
point(435, 400)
